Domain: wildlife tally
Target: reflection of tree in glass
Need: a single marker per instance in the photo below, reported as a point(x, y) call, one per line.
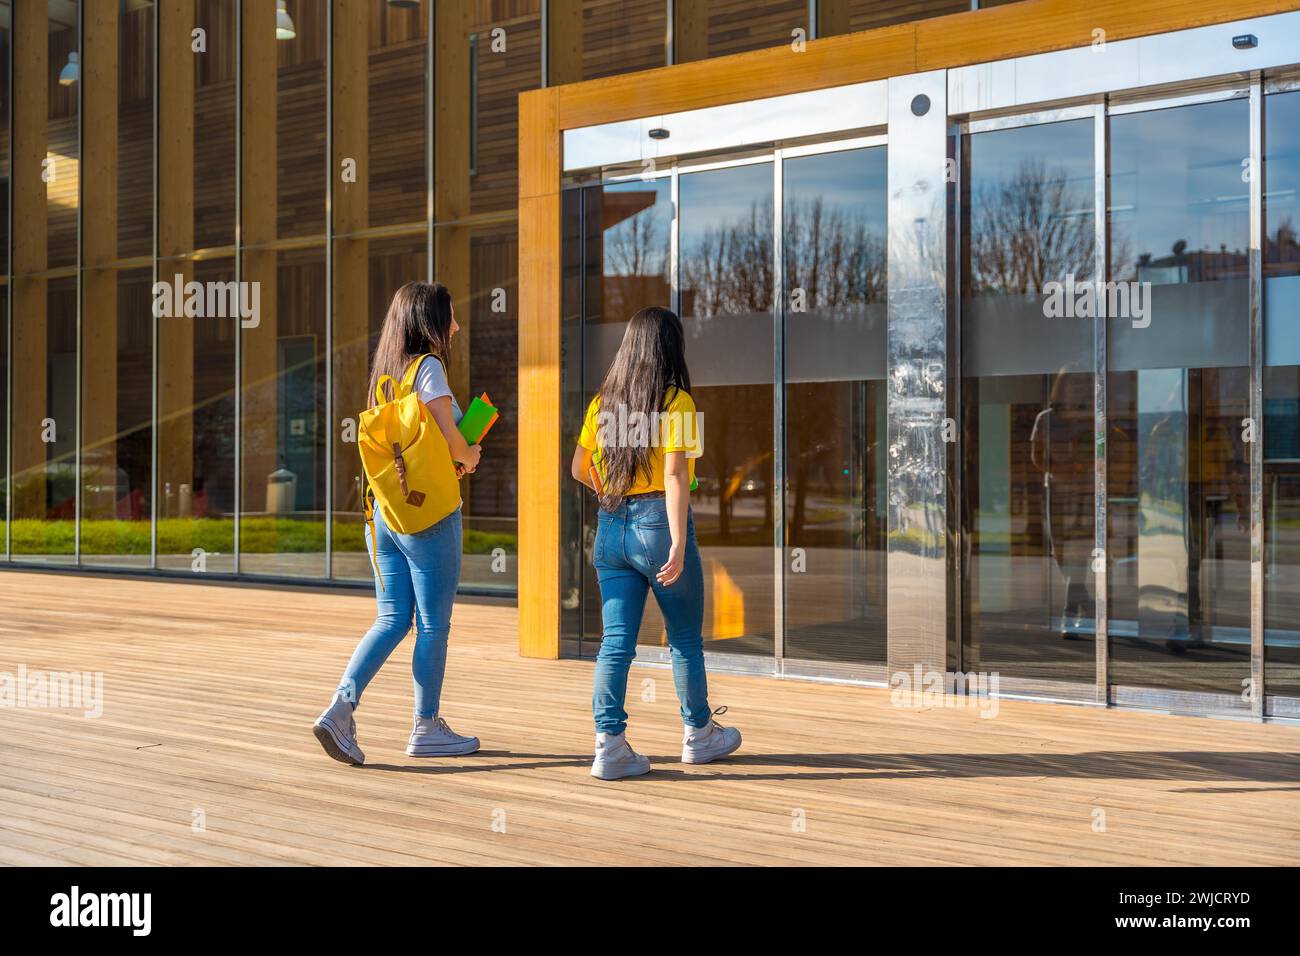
point(1282, 249)
point(728, 271)
point(1031, 228)
point(832, 255)
point(839, 263)
point(636, 264)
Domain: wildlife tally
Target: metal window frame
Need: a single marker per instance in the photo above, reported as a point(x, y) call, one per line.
point(9, 291)
point(154, 397)
point(473, 101)
point(779, 292)
point(430, 102)
point(238, 497)
point(78, 373)
point(1101, 411)
point(330, 180)
point(1258, 685)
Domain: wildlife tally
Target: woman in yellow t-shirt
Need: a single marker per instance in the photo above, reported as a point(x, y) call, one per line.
point(637, 451)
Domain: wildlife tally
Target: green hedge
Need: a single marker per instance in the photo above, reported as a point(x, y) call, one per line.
point(259, 535)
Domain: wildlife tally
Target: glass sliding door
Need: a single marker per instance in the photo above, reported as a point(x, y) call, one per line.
point(1281, 484)
point(1027, 503)
point(833, 232)
point(1177, 394)
point(625, 264)
point(726, 284)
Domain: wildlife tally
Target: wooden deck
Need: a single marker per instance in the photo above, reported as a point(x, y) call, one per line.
point(203, 755)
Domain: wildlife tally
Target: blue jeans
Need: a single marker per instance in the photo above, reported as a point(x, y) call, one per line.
point(632, 544)
point(420, 573)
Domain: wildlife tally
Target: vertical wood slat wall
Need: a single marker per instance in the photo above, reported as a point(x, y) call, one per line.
point(1019, 29)
point(176, 189)
point(29, 256)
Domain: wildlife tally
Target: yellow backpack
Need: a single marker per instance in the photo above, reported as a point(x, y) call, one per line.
point(410, 476)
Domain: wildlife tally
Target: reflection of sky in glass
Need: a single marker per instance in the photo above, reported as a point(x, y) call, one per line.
point(721, 197)
point(855, 181)
point(638, 244)
point(1065, 148)
point(1176, 176)
point(1031, 208)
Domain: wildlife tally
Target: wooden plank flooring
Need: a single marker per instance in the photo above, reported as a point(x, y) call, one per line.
point(209, 693)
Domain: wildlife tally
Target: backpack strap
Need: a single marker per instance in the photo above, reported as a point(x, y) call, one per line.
point(379, 389)
point(368, 513)
point(412, 370)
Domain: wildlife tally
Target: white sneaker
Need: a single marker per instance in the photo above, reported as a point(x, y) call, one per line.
point(709, 743)
point(337, 732)
point(615, 759)
point(433, 738)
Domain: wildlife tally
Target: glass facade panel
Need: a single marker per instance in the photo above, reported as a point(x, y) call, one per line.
point(487, 360)
point(48, 130)
point(196, 371)
point(1179, 387)
point(834, 232)
point(6, 168)
point(504, 44)
point(196, 100)
point(116, 349)
point(44, 423)
point(1281, 485)
point(117, 418)
point(6, 179)
point(1027, 483)
point(386, 129)
point(196, 429)
point(282, 510)
point(366, 274)
point(283, 349)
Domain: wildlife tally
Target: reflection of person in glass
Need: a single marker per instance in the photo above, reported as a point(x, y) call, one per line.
point(1061, 449)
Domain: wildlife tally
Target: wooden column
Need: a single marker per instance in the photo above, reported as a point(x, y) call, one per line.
point(451, 193)
point(690, 30)
point(564, 42)
point(31, 110)
point(351, 209)
point(832, 17)
point(540, 467)
point(99, 248)
point(176, 237)
point(259, 87)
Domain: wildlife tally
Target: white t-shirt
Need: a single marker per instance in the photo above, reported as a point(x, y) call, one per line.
point(431, 382)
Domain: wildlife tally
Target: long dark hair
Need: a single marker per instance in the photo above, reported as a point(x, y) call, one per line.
point(650, 361)
point(418, 321)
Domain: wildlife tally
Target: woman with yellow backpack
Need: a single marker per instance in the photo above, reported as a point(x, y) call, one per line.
point(413, 455)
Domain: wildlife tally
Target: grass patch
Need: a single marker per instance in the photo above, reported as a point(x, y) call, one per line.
point(258, 535)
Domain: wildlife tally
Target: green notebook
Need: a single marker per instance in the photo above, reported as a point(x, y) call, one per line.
point(478, 419)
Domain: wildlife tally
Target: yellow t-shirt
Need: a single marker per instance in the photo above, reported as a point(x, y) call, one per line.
point(679, 428)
